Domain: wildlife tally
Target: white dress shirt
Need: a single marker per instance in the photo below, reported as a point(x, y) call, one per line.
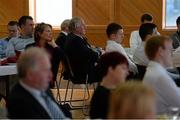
point(139, 56)
point(167, 93)
point(135, 40)
point(114, 46)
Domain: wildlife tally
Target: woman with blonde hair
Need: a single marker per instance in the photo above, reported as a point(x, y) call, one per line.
point(132, 100)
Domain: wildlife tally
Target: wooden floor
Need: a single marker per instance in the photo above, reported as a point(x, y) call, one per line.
point(77, 94)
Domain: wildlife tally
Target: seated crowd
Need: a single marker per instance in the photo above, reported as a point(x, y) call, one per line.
point(141, 84)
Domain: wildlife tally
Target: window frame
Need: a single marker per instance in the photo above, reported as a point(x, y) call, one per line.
point(164, 27)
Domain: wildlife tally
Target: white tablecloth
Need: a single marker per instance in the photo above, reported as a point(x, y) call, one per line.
point(8, 70)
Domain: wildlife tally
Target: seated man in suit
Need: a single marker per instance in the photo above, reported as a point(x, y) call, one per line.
point(31, 98)
point(61, 39)
point(176, 36)
point(159, 51)
point(81, 55)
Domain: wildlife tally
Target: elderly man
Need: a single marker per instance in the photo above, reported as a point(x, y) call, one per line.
point(16, 45)
point(159, 51)
point(30, 98)
point(61, 39)
point(81, 55)
point(13, 32)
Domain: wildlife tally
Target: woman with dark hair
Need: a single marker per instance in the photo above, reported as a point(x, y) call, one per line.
point(43, 38)
point(112, 69)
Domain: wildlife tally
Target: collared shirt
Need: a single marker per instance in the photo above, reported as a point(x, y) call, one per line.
point(135, 40)
point(167, 93)
point(114, 46)
point(64, 33)
point(18, 44)
point(139, 56)
point(37, 94)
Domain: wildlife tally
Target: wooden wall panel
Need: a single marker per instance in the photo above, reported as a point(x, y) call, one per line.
point(94, 12)
point(97, 14)
point(11, 10)
point(129, 12)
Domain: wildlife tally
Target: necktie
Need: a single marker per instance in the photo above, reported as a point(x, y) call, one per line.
point(53, 108)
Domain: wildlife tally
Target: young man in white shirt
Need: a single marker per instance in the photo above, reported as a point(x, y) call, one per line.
point(146, 31)
point(135, 39)
point(115, 35)
point(159, 51)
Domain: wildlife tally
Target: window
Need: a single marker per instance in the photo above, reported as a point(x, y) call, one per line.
point(171, 12)
point(50, 11)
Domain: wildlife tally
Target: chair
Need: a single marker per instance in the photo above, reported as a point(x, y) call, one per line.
point(67, 74)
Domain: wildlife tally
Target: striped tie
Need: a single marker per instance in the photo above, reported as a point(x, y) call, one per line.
point(53, 108)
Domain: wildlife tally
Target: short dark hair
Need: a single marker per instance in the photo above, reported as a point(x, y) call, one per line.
point(146, 29)
point(112, 28)
point(178, 20)
point(12, 23)
point(110, 59)
point(146, 17)
point(22, 20)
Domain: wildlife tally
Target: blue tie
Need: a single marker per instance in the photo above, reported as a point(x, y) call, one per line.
point(53, 108)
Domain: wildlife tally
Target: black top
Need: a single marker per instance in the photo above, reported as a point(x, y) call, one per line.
point(100, 103)
point(82, 58)
point(21, 104)
point(56, 55)
point(61, 39)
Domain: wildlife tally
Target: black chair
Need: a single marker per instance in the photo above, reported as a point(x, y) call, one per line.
point(67, 74)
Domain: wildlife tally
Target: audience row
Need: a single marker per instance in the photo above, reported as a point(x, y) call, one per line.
point(37, 55)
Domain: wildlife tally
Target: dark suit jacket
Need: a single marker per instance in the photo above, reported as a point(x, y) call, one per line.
point(81, 57)
point(176, 39)
point(56, 55)
point(61, 39)
point(21, 104)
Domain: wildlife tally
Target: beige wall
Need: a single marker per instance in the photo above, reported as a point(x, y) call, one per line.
point(97, 14)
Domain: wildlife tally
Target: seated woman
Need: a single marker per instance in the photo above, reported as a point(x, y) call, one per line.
point(43, 38)
point(112, 69)
point(132, 101)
